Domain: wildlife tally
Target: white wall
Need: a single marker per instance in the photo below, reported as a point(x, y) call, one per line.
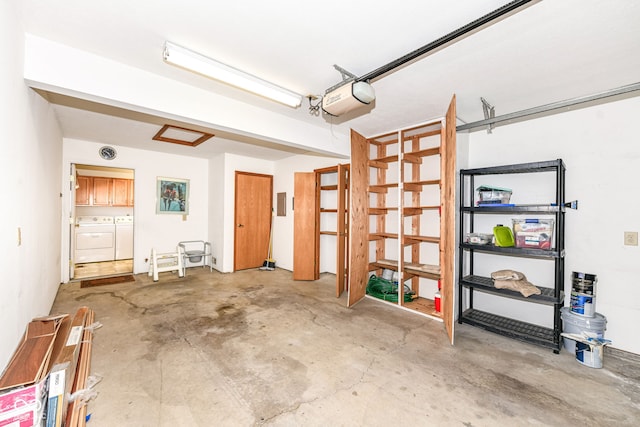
point(31, 143)
point(283, 225)
point(217, 209)
point(600, 148)
point(151, 230)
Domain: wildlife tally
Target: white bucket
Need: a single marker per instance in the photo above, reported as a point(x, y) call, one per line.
point(573, 323)
point(590, 354)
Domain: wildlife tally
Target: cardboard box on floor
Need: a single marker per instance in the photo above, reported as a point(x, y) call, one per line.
point(23, 406)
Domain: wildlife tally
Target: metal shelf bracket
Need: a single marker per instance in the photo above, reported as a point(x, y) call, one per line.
point(489, 113)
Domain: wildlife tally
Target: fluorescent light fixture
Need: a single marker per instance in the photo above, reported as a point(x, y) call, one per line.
point(192, 61)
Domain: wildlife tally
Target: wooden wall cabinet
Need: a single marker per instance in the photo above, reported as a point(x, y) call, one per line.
point(84, 189)
point(402, 214)
point(103, 191)
point(102, 188)
point(120, 192)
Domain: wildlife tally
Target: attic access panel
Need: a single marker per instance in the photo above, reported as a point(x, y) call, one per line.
point(181, 136)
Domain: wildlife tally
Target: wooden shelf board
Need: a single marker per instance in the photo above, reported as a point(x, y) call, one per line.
point(378, 140)
point(380, 211)
point(425, 153)
point(423, 270)
point(328, 169)
point(423, 305)
point(329, 187)
point(378, 165)
point(410, 272)
point(411, 211)
point(429, 239)
point(410, 158)
point(329, 233)
point(387, 185)
point(408, 137)
point(384, 263)
point(380, 236)
point(387, 159)
point(416, 186)
point(425, 182)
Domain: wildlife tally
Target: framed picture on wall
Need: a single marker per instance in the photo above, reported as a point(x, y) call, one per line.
point(172, 196)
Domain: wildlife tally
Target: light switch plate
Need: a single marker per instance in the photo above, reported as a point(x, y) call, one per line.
point(631, 238)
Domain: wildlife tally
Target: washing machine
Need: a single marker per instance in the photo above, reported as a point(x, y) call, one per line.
point(95, 238)
point(124, 237)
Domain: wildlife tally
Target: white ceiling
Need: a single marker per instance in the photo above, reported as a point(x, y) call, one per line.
point(551, 51)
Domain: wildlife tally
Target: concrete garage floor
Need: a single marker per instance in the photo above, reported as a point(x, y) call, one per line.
point(256, 348)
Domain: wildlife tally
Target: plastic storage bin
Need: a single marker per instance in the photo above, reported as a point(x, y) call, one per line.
point(533, 233)
point(479, 238)
point(493, 195)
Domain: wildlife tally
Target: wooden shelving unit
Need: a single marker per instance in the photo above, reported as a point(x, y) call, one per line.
point(338, 192)
point(403, 213)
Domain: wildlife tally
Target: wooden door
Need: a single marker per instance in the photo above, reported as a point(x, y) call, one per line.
point(448, 219)
point(304, 227)
point(84, 187)
point(101, 191)
point(253, 211)
point(358, 219)
point(120, 192)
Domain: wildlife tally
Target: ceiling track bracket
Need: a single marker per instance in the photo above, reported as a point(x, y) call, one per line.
point(489, 113)
point(347, 76)
point(555, 107)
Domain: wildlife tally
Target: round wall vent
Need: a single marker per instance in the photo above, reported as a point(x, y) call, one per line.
point(107, 153)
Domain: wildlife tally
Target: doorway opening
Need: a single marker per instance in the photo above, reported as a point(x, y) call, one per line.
point(101, 236)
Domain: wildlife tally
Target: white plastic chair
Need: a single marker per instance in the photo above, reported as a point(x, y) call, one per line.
point(196, 252)
point(160, 263)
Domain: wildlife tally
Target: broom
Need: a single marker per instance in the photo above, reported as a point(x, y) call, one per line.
point(269, 264)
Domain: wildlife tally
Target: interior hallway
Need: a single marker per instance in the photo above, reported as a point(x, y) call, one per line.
point(256, 348)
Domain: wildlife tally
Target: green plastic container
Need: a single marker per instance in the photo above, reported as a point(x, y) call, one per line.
point(503, 236)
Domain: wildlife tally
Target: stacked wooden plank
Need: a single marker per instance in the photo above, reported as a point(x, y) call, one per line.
point(51, 361)
point(30, 362)
point(77, 411)
point(63, 372)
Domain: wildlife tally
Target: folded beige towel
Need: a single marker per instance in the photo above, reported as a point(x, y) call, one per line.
point(507, 275)
point(515, 281)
